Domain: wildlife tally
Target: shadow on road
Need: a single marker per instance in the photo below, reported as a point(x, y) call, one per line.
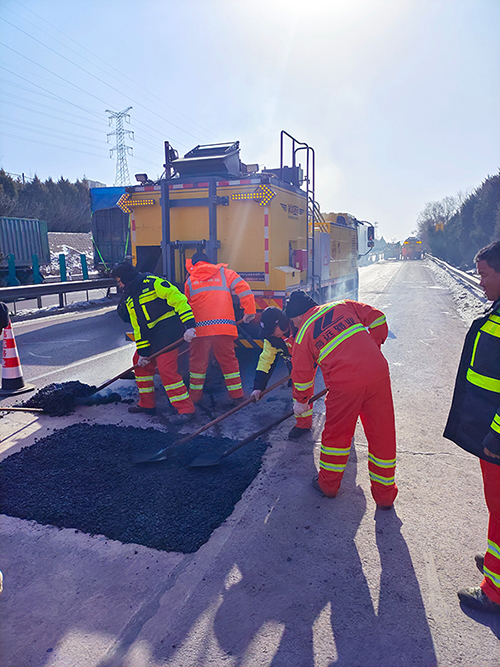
point(300, 596)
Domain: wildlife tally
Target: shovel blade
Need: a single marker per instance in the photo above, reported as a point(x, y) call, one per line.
point(206, 461)
point(160, 455)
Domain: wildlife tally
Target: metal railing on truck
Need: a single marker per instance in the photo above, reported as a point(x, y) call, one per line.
point(24, 292)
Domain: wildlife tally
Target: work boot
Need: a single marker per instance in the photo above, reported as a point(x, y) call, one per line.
point(297, 433)
point(315, 483)
point(476, 598)
point(479, 558)
point(138, 408)
point(182, 419)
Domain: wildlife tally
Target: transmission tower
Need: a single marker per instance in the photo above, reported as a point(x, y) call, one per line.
point(122, 176)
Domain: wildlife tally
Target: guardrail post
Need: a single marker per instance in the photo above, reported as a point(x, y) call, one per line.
point(85, 270)
point(37, 278)
point(62, 272)
point(62, 267)
point(12, 280)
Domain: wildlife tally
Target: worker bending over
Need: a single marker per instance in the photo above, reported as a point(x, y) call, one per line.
point(208, 290)
point(159, 314)
point(344, 339)
point(278, 341)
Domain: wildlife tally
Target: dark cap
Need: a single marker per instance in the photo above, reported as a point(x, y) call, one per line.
point(299, 303)
point(271, 318)
point(199, 257)
point(125, 271)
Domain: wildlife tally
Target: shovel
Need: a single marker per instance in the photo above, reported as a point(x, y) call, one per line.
point(207, 460)
point(172, 346)
point(162, 454)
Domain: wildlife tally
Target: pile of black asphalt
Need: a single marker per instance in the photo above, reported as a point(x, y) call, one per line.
point(58, 399)
point(83, 477)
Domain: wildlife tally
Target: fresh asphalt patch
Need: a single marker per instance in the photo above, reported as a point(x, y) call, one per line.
point(83, 477)
point(58, 399)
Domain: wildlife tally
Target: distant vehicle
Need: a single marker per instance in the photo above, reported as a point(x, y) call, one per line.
point(412, 248)
point(20, 240)
point(392, 251)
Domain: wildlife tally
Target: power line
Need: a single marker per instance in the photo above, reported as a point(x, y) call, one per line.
point(63, 148)
point(52, 95)
point(50, 92)
point(86, 72)
point(101, 60)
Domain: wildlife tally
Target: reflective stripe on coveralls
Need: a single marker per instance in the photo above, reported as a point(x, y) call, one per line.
point(229, 378)
point(493, 550)
point(223, 348)
point(167, 368)
point(196, 381)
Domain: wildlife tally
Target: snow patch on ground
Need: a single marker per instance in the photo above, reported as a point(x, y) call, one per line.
point(469, 306)
point(92, 304)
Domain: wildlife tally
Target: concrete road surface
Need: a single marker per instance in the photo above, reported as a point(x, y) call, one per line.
point(291, 579)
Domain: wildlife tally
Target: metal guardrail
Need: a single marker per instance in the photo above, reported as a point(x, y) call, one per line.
point(23, 292)
point(468, 281)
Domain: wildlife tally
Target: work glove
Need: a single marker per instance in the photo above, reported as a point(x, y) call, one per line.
point(189, 334)
point(256, 394)
point(299, 408)
point(248, 317)
point(143, 361)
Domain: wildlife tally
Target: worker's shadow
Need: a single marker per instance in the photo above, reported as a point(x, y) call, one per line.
point(315, 603)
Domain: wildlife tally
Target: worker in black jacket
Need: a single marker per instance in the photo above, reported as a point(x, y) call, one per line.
point(474, 422)
point(4, 316)
point(278, 341)
point(159, 314)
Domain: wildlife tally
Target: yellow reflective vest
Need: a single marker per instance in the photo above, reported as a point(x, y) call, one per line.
point(474, 419)
point(158, 311)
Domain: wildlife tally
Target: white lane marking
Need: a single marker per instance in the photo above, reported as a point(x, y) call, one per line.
point(82, 362)
point(40, 356)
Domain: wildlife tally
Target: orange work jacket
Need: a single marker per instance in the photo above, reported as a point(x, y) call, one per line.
point(344, 339)
point(208, 290)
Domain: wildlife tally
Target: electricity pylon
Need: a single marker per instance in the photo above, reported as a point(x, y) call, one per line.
point(122, 176)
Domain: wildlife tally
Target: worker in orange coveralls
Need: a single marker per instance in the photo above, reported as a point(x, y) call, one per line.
point(208, 290)
point(344, 339)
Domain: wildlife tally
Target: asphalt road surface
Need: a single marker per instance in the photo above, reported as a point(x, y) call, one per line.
point(291, 579)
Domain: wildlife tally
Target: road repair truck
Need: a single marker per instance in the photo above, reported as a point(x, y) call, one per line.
point(264, 223)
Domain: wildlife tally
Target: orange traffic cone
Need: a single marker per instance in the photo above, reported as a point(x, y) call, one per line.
point(12, 373)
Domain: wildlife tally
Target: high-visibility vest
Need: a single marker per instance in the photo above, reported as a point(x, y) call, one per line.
point(158, 306)
point(482, 372)
point(208, 289)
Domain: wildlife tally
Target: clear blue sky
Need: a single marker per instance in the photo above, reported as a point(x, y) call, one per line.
point(399, 98)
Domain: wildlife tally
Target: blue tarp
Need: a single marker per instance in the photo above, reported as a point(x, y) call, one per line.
point(105, 197)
